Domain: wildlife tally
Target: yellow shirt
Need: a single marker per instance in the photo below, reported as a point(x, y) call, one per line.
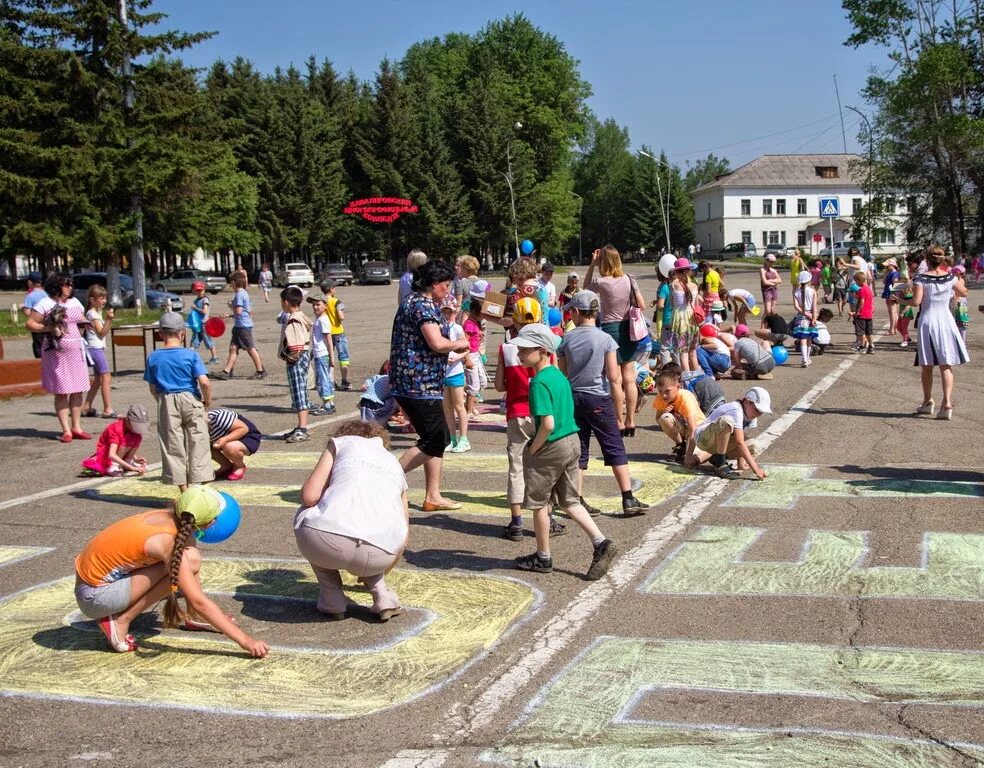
point(712, 281)
point(332, 307)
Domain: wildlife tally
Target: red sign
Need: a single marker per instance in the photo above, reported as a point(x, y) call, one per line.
point(381, 210)
point(817, 238)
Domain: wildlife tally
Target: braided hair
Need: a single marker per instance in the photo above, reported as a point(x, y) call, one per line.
point(186, 527)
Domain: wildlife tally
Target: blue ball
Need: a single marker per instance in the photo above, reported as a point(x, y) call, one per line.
point(223, 526)
point(554, 317)
point(526, 247)
point(780, 355)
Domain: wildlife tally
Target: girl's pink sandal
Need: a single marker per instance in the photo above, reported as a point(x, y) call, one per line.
point(108, 628)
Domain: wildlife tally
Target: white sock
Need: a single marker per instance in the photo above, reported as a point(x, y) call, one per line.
point(596, 541)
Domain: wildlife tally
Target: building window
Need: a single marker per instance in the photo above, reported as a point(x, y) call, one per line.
point(910, 204)
point(746, 207)
point(884, 236)
point(708, 210)
point(780, 207)
point(765, 238)
point(801, 237)
point(890, 205)
point(774, 238)
point(827, 171)
point(766, 207)
point(801, 206)
point(746, 236)
point(857, 204)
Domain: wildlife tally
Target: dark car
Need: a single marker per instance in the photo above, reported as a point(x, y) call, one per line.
point(736, 251)
point(340, 273)
point(376, 272)
point(155, 299)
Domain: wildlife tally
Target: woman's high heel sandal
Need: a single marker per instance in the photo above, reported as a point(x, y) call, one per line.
point(926, 409)
point(946, 413)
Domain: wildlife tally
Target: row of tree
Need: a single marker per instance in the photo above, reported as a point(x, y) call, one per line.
point(470, 127)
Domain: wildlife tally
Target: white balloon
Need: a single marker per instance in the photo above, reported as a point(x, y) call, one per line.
point(666, 264)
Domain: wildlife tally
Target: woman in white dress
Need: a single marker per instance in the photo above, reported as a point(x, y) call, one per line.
point(940, 343)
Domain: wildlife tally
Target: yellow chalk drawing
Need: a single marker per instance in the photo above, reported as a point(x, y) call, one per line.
point(832, 563)
point(660, 482)
point(41, 656)
point(10, 554)
point(586, 716)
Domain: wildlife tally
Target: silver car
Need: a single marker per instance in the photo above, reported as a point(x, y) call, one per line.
point(181, 280)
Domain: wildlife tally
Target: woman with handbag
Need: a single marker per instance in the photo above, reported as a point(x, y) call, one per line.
point(621, 318)
point(686, 309)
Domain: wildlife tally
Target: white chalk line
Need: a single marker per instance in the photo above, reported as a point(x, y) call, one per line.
point(552, 638)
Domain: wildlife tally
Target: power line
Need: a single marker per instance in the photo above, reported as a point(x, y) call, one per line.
point(757, 138)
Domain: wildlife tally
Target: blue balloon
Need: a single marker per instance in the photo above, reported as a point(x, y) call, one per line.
point(223, 526)
point(780, 355)
point(554, 318)
point(526, 247)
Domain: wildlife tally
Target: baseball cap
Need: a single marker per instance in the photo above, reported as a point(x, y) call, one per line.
point(450, 302)
point(316, 295)
point(139, 419)
point(198, 285)
point(328, 283)
point(585, 301)
point(804, 277)
point(547, 267)
point(171, 321)
point(35, 277)
point(741, 331)
point(527, 310)
point(573, 276)
point(770, 257)
point(202, 503)
point(759, 397)
point(479, 289)
point(536, 335)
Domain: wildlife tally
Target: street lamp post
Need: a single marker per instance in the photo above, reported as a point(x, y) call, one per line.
point(871, 166)
point(509, 182)
point(659, 191)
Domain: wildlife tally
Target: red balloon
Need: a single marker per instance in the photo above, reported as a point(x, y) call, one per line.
point(215, 327)
point(709, 331)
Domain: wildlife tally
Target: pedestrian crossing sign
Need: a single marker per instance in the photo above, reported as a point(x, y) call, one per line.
point(829, 207)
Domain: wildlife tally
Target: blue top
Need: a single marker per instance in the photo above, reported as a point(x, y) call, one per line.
point(199, 304)
point(33, 298)
point(416, 370)
point(243, 319)
point(891, 277)
point(174, 370)
point(664, 294)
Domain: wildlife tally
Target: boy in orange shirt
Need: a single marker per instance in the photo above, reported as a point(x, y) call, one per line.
point(677, 411)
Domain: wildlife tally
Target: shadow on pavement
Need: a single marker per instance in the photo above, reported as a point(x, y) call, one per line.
point(911, 473)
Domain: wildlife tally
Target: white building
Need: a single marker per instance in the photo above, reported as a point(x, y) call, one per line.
point(776, 199)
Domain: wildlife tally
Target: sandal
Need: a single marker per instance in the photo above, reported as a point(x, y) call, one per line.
point(107, 415)
point(191, 625)
point(108, 628)
point(89, 412)
point(66, 437)
point(80, 434)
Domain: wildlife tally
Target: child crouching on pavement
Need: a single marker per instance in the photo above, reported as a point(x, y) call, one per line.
point(295, 350)
point(677, 411)
point(722, 435)
point(550, 458)
point(377, 402)
point(116, 450)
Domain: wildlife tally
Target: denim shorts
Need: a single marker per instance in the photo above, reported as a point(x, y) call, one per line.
point(341, 348)
point(106, 600)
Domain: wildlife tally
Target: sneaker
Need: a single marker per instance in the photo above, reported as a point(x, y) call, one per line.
point(679, 452)
point(213, 360)
point(297, 436)
point(904, 344)
point(727, 472)
point(632, 507)
point(870, 350)
point(329, 409)
point(462, 446)
point(345, 386)
point(449, 448)
point(222, 375)
point(535, 563)
point(258, 375)
point(602, 558)
point(593, 511)
point(557, 528)
point(513, 532)
point(316, 410)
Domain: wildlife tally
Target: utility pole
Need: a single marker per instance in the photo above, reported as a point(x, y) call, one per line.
point(659, 191)
point(136, 249)
point(871, 166)
point(509, 182)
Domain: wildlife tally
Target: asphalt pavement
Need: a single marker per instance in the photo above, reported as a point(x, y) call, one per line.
point(829, 615)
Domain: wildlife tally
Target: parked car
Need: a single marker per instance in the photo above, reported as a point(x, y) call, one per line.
point(780, 250)
point(841, 248)
point(155, 299)
point(181, 280)
point(733, 251)
point(340, 273)
point(294, 273)
point(375, 272)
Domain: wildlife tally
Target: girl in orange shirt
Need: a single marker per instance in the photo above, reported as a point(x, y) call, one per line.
point(140, 560)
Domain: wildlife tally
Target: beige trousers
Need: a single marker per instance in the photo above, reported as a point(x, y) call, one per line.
point(519, 432)
point(182, 429)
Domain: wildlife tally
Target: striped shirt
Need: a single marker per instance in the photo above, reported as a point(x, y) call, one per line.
point(220, 421)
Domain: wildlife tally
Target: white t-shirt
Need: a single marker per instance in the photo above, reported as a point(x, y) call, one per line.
point(363, 497)
point(92, 339)
point(858, 264)
point(719, 346)
point(319, 332)
point(806, 299)
point(455, 332)
point(733, 412)
point(551, 290)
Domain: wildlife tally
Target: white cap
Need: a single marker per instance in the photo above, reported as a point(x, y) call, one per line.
point(804, 277)
point(759, 397)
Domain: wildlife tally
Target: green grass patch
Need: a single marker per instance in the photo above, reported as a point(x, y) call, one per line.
point(12, 330)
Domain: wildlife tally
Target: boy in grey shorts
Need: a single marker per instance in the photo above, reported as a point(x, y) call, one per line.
point(550, 459)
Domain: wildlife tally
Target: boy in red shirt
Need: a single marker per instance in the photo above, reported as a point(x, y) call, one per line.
point(116, 450)
point(863, 314)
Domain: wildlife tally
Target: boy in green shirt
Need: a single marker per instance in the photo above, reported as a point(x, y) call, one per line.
point(550, 459)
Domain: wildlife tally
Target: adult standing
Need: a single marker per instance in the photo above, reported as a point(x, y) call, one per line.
point(618, 292)
point(940, 343)
point(63, 366)
point(855, 263)
point(415, 259)
point(419, 349)
point(35, 293)
point(354, 517)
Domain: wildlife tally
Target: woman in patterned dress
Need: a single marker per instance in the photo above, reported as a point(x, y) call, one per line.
point(940, 343)
point(63, 371)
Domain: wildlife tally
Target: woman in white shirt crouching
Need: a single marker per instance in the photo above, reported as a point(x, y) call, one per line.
point(354, 517)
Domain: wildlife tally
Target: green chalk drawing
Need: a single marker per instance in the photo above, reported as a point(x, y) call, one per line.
point(832, 563)
point(10, 554)
point(585, 717)
point(786, 484)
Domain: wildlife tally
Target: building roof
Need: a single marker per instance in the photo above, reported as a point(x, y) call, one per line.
point(788, 171)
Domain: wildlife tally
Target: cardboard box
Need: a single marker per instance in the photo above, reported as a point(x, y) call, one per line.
point(494, 305)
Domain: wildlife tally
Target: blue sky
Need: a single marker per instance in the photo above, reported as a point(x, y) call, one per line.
point(685, 76)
